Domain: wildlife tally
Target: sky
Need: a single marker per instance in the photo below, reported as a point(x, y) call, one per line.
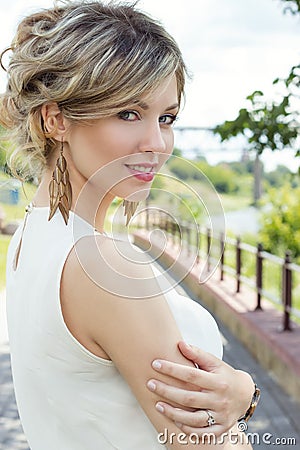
point(231, 48)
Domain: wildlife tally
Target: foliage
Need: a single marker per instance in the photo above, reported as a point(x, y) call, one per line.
point(242, 167)
point(281, 222)
point(176, 152)
point(292, 6)
point(2, 158)
point(280, 176)
point(157, 185)
point(182, 168)
point(221, 176)
point(190, 209)
point(265, 125)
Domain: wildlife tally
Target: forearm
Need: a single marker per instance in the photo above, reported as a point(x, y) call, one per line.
point(245, 389)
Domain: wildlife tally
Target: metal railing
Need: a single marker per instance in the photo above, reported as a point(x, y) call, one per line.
point(215, 250)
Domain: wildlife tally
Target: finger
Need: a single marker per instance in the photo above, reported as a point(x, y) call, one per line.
point(198, 377)
point(194, 419)
point(205, 361)
point(182, 397)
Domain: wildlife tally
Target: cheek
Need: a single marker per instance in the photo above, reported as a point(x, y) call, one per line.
point(169, 140)
point(171, 143)
point(108, 145)
point(91, 149)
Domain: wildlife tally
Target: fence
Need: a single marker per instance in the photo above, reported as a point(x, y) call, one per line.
point(261, 274)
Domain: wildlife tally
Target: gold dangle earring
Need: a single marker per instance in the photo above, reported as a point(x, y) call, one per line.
point(130, 208)
point(60, 189)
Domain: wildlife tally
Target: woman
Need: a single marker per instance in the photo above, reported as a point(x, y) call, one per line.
point(93, 91)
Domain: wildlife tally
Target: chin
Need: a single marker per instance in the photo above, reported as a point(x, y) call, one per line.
point(137, 195)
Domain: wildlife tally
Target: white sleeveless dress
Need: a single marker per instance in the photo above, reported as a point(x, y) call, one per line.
point(68, 398)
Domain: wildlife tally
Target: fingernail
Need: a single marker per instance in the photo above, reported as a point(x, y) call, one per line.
point(179, 425)
point(160, 408)
point(156, 364)
point(151, 385)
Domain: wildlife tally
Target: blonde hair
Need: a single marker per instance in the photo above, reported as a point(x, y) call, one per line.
point(91, 58)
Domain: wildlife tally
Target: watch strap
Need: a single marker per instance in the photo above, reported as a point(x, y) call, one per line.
point(254, 401)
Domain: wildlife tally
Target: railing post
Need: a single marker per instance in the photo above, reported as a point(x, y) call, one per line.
point(174, 232)
point(181, 231)
point(165, 228)
point(238, 264)
point(259, 275)
point(177, 232)
point(153, 219)
point(208, 248)
point(164, 223)
point(287, 291)
point(222, 251)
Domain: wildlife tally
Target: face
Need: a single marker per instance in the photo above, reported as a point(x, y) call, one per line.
point(121, 154)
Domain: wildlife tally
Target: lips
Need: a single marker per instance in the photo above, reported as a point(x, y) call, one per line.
point(142, 171)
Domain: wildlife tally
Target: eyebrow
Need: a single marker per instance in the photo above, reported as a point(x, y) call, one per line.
point(176, 105)
point(144, 106)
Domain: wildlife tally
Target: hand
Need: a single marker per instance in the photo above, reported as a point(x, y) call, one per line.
point(225, 392)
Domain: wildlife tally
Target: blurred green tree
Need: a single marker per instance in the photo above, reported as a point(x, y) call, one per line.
point(281, 222)
point(268, 124)
point(272, 125)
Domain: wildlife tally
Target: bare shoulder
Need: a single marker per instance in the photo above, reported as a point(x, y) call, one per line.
point(98, 272)
point(108, 262)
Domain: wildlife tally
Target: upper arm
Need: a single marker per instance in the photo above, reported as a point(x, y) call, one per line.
point(128, 317)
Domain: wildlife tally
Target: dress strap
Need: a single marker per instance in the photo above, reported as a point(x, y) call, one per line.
point(28, 210)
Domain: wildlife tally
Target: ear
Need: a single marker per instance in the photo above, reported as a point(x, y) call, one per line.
point(55, 125)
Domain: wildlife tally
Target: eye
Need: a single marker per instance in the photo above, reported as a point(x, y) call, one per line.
point(130, 116)
point(168, 119)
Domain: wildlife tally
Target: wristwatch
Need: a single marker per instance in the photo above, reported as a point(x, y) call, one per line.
point(249, 413)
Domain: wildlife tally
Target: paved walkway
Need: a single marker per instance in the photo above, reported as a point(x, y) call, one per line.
point(277, 416)
point(11, 433)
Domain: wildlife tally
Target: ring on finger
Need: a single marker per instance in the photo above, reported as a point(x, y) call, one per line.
point(210, 420)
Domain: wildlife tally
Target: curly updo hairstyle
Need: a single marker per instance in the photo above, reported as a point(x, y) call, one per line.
point(92, 58)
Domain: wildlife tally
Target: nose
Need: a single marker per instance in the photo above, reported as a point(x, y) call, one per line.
point(152, 139)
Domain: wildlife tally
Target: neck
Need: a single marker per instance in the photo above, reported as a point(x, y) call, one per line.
point(87, 202)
